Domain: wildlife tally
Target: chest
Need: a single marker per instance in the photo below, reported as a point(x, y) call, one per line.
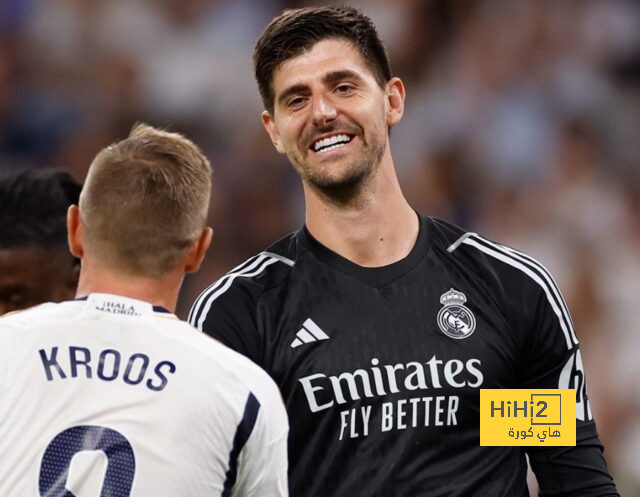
point(429, 330)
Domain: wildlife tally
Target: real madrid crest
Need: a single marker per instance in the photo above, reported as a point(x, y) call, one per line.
point(454, 319)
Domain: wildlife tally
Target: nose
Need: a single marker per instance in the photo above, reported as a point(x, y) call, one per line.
point(323, 111)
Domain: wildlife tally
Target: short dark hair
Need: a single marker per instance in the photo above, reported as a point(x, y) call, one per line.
point(33, 208)
point(296, 30)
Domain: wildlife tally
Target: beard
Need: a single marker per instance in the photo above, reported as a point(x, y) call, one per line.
point(351, 179)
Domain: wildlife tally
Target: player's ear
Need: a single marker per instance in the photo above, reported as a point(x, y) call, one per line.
point(198, 250)
point(272, 131)
point(75, 232)
point(395, 101)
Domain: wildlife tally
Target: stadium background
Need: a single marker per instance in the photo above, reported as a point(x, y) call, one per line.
point(522, 123)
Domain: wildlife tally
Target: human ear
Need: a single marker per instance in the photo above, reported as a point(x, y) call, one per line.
point(272, 131)
point(395, 101)
point(198, 250)
point(75, 232)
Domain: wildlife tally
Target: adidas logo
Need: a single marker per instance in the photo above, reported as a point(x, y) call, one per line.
point(310, 332)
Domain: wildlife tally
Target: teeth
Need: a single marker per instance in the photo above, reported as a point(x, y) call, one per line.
point(332, 147)
point(332, 142)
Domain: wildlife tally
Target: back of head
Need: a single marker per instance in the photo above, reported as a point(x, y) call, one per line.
point(145, 201)
point(297, 30)
point(33, 209)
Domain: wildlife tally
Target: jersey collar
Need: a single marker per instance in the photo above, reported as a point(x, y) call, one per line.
point(372, 276)
point(99, 298)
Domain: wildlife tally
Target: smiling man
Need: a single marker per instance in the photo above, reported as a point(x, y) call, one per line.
point(381, 325)
point(341, 150)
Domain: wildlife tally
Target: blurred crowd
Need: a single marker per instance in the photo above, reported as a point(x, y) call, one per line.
point(522, 123)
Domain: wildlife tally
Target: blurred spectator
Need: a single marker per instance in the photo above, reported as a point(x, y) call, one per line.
point(35, 263)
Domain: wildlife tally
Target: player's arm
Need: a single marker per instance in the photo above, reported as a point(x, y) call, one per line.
point(551, 359)
point(262, 466)
point(578, 471)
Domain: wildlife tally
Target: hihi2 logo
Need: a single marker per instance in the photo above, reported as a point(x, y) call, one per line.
point(516, 417)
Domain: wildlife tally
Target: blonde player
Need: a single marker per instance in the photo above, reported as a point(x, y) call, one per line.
point(110, 394)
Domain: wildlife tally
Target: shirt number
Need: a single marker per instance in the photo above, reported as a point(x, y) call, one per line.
point(54, 468)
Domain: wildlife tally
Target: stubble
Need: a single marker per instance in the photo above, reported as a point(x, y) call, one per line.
point(342, 186)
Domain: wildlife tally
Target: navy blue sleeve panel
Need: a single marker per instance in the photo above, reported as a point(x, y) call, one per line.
point(239, 440)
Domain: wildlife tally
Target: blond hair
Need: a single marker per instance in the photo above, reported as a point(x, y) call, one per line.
point(145, 201)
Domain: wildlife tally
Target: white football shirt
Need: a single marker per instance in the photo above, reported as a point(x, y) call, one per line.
point(110, 396)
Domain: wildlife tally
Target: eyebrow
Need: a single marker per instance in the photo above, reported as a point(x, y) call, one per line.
point(330, 77)
point(292, 90)
point(335, 76)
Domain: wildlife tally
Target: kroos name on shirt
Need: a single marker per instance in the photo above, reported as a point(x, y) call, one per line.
point(107, 364)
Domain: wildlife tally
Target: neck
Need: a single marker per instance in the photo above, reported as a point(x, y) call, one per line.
point(160, 292)
point(375, 228)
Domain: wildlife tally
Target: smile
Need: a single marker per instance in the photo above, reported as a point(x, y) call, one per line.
point(330, 143)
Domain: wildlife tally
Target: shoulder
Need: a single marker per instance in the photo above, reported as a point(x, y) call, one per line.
point(521, 283)
point(242, 286)
point(257, 381)
point(489, 259)
point(41, 315)
point(445, 232)
point(240, 373)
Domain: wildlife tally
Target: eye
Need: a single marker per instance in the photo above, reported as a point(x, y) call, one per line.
point(295, 102)
point(344, 88)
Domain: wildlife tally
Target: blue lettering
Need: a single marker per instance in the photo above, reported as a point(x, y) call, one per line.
point(141, 372)
point(163, 378)
point(106, 365)
point(49, 362)
point(121, 466)
point(76, 361)
point(102, 364)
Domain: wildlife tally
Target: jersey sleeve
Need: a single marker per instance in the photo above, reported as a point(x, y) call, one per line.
point(263, 461)
point(226, 311)
point(551, 359)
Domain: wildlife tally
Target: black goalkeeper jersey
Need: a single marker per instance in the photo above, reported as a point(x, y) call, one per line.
point(381, 368)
